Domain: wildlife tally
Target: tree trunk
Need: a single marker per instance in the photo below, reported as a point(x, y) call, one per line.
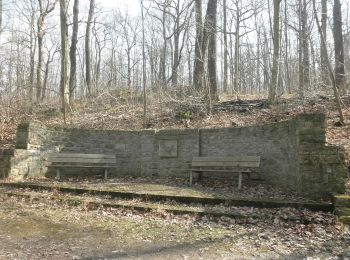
point(32, 56)
point(236, 82)
point(324, 69)
point(88, 48)
point(64, 58)
point(339, 69)
point(258, 62)
point(286, 40)
point(276, 51)
point(212, 13)
point(144, 79)
point(329, 66)
point(176, 61)
point(73, 51)
point(44, 11)
point(305, 49)
point(163, 52)
point(198, 59)
point(46, 76)
point(300, 51)
point(225, 47)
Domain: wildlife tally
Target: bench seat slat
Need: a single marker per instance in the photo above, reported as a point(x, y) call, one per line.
point(227, 159)
point(225, 164)
point(81, 155)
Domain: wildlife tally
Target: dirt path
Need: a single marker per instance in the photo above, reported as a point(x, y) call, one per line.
point(49, 231)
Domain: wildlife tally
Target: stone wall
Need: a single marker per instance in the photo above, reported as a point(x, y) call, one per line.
point(293, 153)
point(5, 158)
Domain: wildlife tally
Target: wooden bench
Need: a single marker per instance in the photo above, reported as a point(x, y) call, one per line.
point(80, 160)
point(241, 165)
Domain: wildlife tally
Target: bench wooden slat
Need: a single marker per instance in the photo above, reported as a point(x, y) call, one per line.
point(225, 164)
point(227, 159)
point(81, 160)
point(81, 155)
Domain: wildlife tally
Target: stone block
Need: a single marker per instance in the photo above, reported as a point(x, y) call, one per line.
point(345, 219)
point(341, 201)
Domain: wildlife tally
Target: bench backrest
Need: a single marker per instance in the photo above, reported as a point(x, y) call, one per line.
point(82, 158)
point(239, 161)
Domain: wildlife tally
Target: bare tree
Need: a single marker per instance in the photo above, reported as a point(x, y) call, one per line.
point(324, 69)
point(304, 57)
point(276, 51)
point(212, 20)
point(88, 47)
point(64, 57)
point(329, 66)
point(73, 50)
point(207, 31)
point(338, 46)
point(198, 60)
point(143, 66)
point(51, 51)
point(224, 10)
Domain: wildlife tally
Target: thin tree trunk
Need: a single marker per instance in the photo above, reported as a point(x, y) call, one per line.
point(174, 76)
point(286, 40)
point(324, 68)
point(162, 61)
point(44, 11)
point(300, 51)
point(32, 56)
point(46, 76)
point(88, 47)
point(329, 66)
point(305, 49)
point(198, 59)
point(236, 57)
point(212, 80)
point(73, 51)
point(258, 62)
point(339, 69)
point(225, 47)
point(276, 51)
point(143, 67)
point(64, 58)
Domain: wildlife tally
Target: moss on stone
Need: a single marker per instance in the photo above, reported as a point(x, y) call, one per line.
point(345, 219)
point(343, 212)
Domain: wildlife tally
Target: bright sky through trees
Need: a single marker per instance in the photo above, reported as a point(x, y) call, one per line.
point(132, 6)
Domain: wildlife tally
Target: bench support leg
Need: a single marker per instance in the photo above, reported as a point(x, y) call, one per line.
point(58, 173)
point(106, 173)
point(240, 181)
point(191, 178)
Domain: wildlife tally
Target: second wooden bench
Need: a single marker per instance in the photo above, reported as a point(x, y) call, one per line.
point(240, 165)
point(81, 160)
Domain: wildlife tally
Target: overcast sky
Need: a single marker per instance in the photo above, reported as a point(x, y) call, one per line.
point(132, 6)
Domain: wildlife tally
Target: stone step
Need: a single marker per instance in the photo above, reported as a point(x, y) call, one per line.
point(342, 207)
point(186, 199)
point(233, 214)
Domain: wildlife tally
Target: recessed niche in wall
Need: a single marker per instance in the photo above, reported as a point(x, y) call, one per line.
point(168, 148)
